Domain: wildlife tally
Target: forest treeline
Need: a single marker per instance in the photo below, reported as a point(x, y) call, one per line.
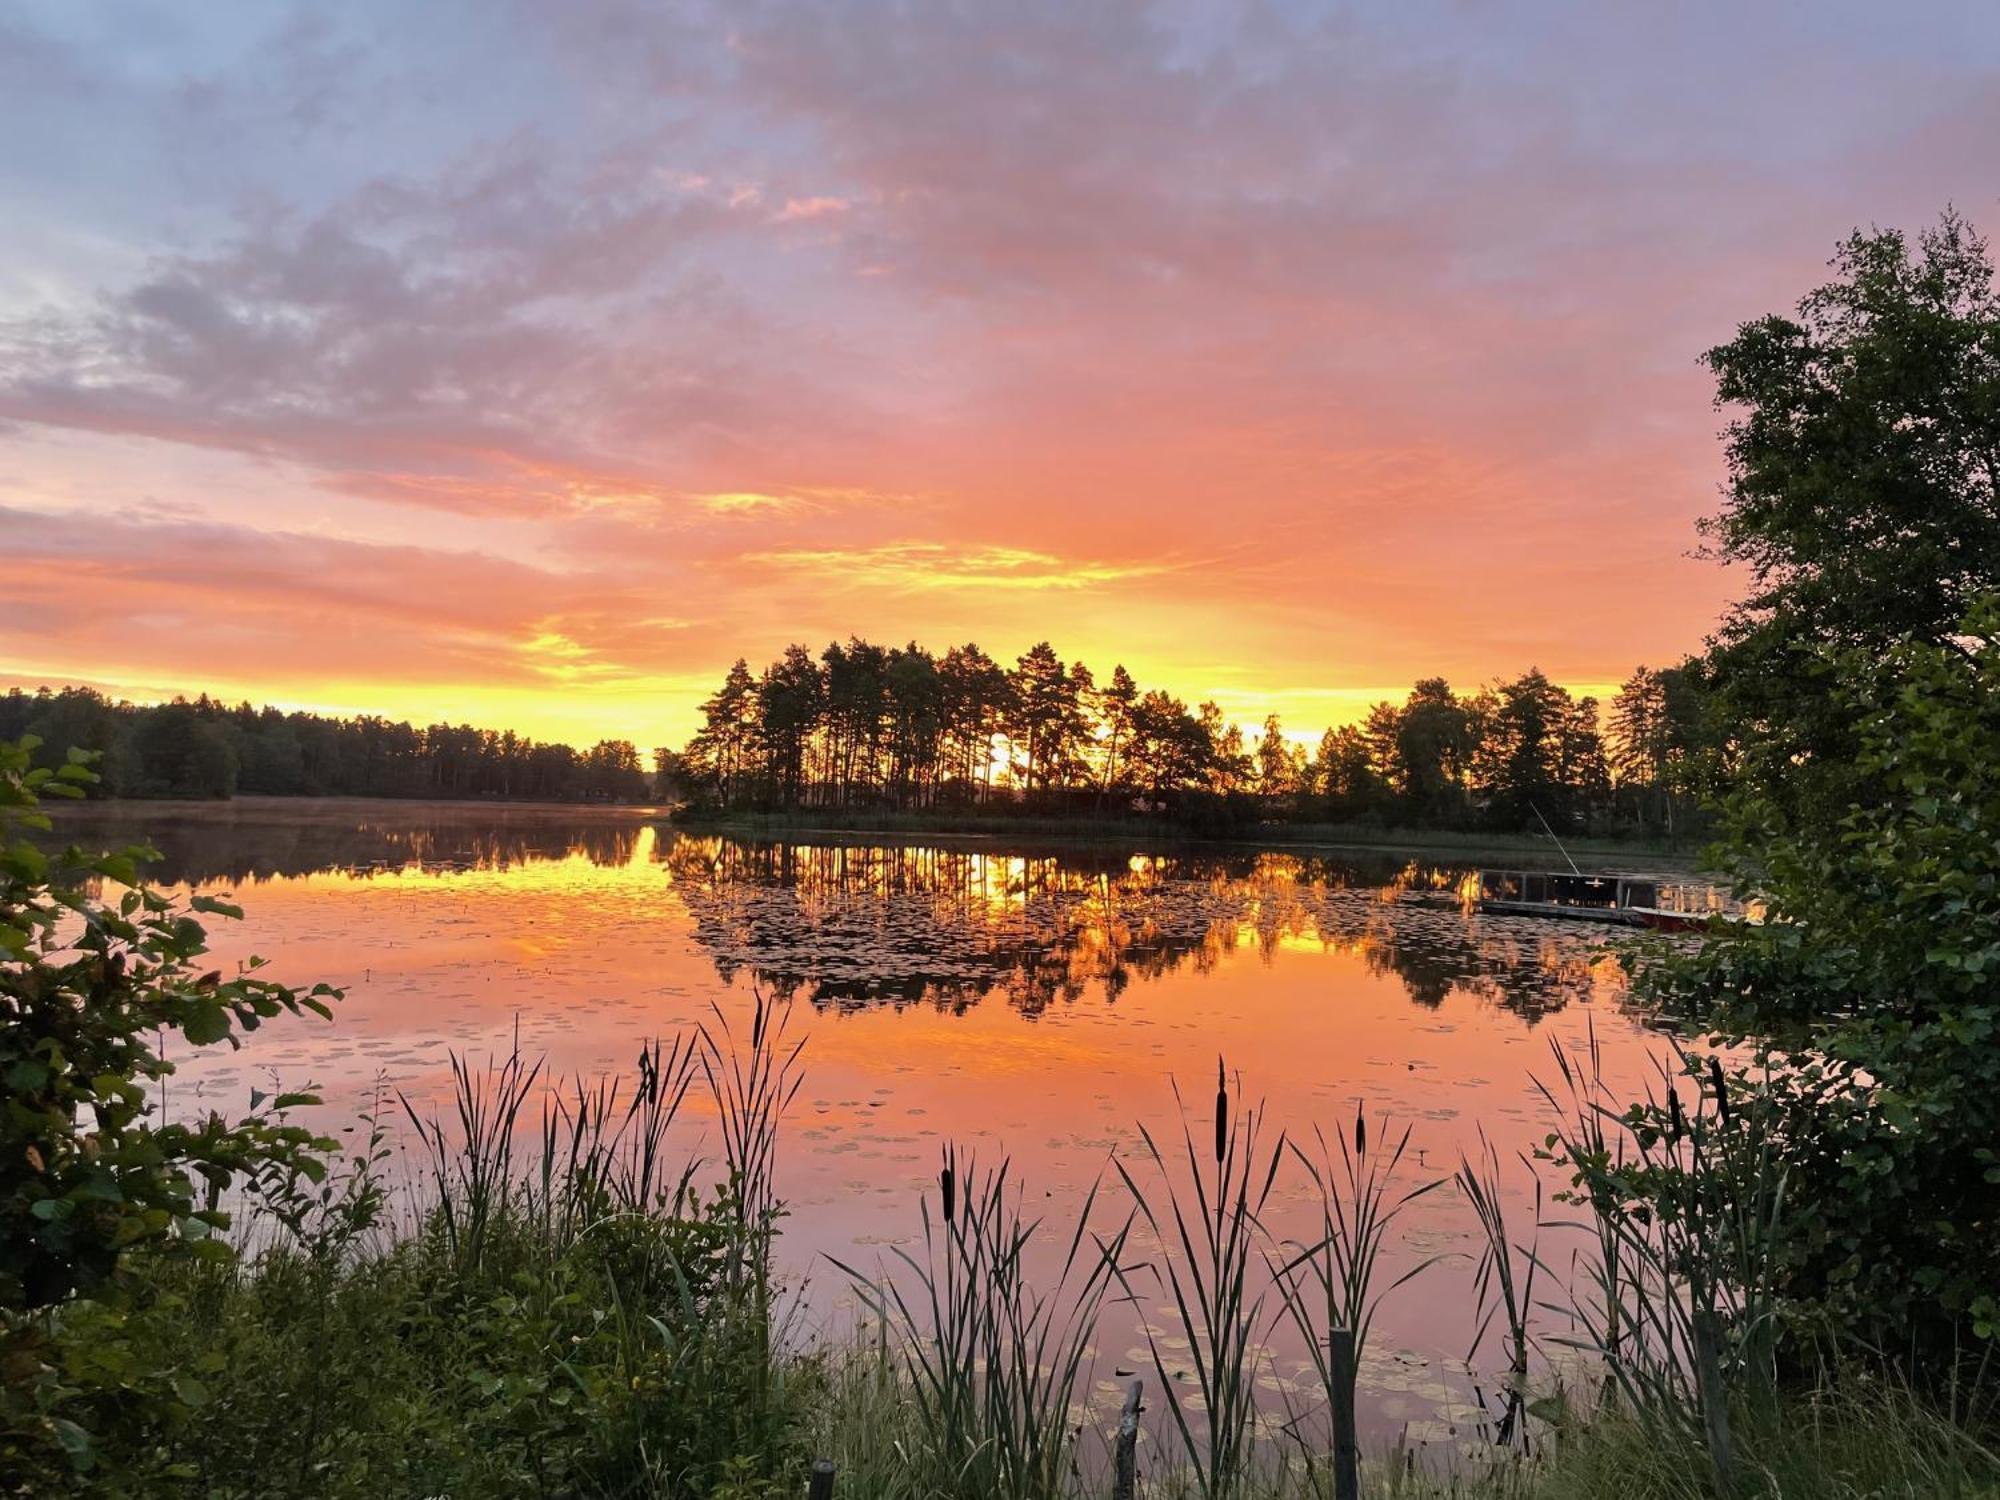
point(203, 747)
point(862, 725)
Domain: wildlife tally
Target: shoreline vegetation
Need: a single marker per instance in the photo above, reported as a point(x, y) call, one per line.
point(902, 731)
point(858, 824)
point(303, 808)
point(567, 1295)
point(863, 823)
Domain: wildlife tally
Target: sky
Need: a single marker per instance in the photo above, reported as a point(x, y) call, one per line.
point(525, 364)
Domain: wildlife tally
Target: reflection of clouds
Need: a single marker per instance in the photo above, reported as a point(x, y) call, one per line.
point(850, 924)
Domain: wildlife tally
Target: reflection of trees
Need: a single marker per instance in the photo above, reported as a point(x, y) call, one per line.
point(207, 846)
point(852, 924)
point(1527, 966)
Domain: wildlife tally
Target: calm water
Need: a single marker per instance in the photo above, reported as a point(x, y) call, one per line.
point(1034, 1002)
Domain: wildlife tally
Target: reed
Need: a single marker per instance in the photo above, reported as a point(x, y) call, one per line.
point(602, 1148)
point(472, 1175)
point(1684, 1197)
point(1205, 1218)
point(601, 1143)
point(754, 1080)
point(588, 1318)
point(992, 1363)
point(1503, 1282)
point(1330, 1283)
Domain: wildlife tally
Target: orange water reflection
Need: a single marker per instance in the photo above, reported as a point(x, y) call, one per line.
point(1031, 1002)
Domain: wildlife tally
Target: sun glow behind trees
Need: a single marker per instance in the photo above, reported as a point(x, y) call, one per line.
point(864, 725)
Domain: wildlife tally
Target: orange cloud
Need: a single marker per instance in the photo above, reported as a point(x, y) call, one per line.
point(915, 566)
point(1283, 357)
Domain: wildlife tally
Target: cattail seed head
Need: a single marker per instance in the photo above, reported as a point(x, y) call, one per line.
point(1221, 1113)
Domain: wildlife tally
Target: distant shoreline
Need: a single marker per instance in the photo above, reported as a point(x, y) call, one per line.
point(253, 808)
point(863, 825)
point(857, 824)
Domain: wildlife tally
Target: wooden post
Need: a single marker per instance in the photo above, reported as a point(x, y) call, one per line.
point(1714, 1398)
point(1346, 1452)
point(822, 1480)
point(1125, 1457)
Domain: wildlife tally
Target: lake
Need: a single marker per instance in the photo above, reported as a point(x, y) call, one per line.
point(1030, 1001)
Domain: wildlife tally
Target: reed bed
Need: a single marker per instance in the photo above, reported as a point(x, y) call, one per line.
point(1206, 1266)
point(990, 1363)
point(582, 1305)
point(1329, 1286)
point(1680, 1307)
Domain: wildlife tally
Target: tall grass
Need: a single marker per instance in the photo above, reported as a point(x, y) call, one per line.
point(585, 1307)
point(595, 1140)
point(602, 1148)
point(1681, 1306)
point(681, 1279)
point(1503, 1282)
point(754, 1080)
point(1205, 1267)
point(1330, 1283)
point(472, 1172)
point(1851, 1435)
point(992, 1364)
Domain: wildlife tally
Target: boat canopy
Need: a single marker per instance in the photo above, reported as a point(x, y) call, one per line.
point(1560, 889)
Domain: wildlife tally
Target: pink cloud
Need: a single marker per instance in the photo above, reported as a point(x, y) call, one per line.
point(1250, 347)
point(811, 208)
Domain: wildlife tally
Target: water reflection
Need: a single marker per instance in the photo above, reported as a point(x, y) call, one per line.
point(851, 925)
point(847, 924)
point(257, 840)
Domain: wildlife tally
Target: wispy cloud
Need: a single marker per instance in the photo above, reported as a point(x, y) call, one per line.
point(752, 503)
point(913, 566)
point(570, 351)
point(816, 207)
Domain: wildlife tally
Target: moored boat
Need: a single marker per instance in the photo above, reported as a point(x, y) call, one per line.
point(1663, 902)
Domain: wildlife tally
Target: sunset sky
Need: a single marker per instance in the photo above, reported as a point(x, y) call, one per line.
point(525, 364)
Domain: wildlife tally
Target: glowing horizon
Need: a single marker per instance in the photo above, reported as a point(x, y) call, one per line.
point(526, 370)
point(590, 719)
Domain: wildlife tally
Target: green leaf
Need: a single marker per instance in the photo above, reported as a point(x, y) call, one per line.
point(207, 1023)
point(78, 1444)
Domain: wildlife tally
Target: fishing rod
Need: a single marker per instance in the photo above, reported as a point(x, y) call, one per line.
point(1553, 839)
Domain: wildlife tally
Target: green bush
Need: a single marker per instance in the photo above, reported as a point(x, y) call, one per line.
point(94, 1180)
point(1871, 999)
point(581, 1368)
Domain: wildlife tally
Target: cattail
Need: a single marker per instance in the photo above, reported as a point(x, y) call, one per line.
point(1676, 1123)
point(1721, 1088)
point(1221, 1113)
point(1360, 1132)
point(948, 1187)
